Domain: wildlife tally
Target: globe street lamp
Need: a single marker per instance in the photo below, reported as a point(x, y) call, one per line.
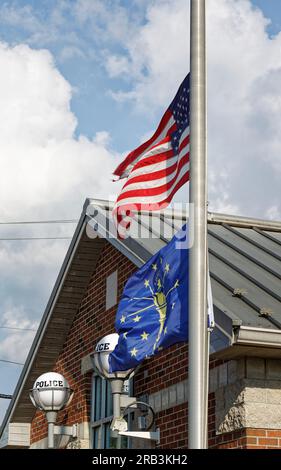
point(100, 359)
point(51, 393)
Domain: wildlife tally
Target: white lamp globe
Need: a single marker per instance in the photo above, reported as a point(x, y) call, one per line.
point(101, 358)
point(51, 392)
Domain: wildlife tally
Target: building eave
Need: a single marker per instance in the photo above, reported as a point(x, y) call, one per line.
point(29, 362)
point(261, 337)
point(252, 342)
point(240, 339)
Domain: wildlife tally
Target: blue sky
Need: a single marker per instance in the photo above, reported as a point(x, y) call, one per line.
point(82, 82)
point(83, 67)
point(272, 10)
point(78, 52)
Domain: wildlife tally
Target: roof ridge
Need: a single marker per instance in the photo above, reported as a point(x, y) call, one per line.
point(244, 222)
point(213, 217)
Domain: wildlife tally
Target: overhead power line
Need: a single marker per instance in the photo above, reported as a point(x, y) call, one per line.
point(16, 328)
point(12, 362)
point(34, 238)
point(25, 222)
point(3, 395)
point(30, 222)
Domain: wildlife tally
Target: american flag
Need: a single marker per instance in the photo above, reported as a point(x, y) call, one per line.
point(159, 167)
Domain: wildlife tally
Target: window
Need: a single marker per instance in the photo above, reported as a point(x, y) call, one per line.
point(111, 290)
point(101, 415)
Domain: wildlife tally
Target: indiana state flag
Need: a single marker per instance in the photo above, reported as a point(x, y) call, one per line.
point(153, 311)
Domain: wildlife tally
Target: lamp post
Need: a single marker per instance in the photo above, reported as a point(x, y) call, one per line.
point(101, 364)
point(119, 427)
point(51, 393)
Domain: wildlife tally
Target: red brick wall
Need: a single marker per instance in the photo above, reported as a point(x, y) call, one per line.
point(173, 427)
point(263, 438)
point(90, 324)
point(167, 368)
point(248, 439)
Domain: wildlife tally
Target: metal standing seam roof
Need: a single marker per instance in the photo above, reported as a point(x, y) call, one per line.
point(245, 271)
point(244, 259)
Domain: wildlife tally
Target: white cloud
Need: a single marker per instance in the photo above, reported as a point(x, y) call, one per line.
point(117, 65)
point(53, 28)
point(16, 318)
point(13, 15)
point(244, 105)
point(219, 185)
point(16, 343)
point(71, 52)
point(109, 21)
point(156, 55)
point(46, 173)
point(273, 213)
point(44, 168)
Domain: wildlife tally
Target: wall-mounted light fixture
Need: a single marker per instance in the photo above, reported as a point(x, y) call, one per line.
point(100, 359)
point(51, 393)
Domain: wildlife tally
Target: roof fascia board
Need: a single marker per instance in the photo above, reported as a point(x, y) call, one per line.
point(265, 337)
point(104, 227)
point(223, 322)
point(235, 220)
point(244, 222)
point(168, 212)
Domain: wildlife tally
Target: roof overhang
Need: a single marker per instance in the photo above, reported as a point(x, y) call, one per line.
point(66, 296)
point(254, 342)
point(260, 337)
point(232, 338)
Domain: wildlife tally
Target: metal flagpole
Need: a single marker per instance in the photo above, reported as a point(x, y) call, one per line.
point(198, 252)
point(206, 392)
point(206, 358)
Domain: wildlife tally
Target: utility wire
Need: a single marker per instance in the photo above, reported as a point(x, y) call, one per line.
point(35, 238)
point(28, 222)
point(12, 362)
point(3, 395)
point(24, 222)
point(16, 328)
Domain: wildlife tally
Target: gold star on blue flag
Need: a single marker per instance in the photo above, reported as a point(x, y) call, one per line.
point(153, 311)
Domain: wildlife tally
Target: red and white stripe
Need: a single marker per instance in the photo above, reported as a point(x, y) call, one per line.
point(154, 174)
point(166, 127)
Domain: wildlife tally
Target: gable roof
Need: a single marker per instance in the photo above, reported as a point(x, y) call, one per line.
point(245, 270)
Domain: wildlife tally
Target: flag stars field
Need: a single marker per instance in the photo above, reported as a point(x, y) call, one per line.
point(144, 336)
point(122, 319)
point(153, 322)
point(167, 268)
point(133, 352)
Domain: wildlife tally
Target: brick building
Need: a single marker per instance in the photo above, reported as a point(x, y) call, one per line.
point(245, 353)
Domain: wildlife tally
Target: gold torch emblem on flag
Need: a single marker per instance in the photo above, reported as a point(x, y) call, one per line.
point(159, 297)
